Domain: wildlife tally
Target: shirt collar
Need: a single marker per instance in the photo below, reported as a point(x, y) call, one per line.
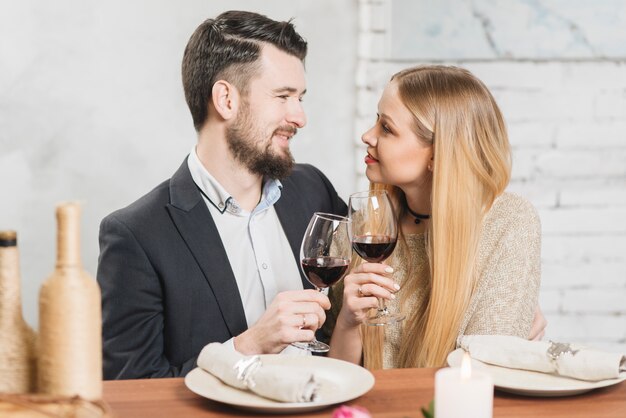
point(270, 195)
point(219, 197)
point(208, 185)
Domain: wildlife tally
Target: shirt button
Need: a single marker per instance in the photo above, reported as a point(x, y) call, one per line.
point(221, 205)
point(264, 266)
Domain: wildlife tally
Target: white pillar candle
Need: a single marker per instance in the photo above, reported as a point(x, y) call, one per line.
point(462, 393)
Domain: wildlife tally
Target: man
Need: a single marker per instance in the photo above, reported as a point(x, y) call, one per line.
point(212, 253)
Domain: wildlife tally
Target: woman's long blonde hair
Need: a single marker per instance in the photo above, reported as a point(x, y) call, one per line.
point(457, 114)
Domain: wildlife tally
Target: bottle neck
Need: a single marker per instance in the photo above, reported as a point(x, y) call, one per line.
point(10, 296)
point(68, 235)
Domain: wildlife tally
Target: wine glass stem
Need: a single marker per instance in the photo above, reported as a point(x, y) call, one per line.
point(382, 307)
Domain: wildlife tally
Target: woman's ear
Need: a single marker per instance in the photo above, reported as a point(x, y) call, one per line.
point(431, 162)
point(225, 99)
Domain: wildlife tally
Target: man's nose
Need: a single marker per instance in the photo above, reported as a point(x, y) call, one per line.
point(296, 115)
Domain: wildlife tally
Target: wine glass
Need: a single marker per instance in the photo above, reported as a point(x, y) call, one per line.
point(325, 257)
point(374, 233)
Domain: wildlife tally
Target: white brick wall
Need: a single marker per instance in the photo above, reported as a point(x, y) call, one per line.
point(567, 125)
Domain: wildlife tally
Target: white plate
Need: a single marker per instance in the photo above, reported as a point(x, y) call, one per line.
point(340, 381)
point(524, 382)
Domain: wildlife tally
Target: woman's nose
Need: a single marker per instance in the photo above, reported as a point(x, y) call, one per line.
point(369, 137)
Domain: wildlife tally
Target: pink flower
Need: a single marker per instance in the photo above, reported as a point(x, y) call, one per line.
point(345, 411)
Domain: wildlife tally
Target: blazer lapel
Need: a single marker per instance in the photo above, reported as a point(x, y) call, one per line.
point(294, 219)
point(195, 224)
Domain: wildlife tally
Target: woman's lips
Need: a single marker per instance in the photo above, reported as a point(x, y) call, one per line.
point(370, 160)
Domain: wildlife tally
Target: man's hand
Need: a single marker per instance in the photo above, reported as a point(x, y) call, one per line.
point(293, 316)
point(538, 327)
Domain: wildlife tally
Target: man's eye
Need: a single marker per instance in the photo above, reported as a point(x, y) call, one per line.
point(283, 97)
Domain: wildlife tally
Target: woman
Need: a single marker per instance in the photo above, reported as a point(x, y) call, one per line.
point(468, 257)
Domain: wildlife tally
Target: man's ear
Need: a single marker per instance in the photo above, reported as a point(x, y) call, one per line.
point(225, 99)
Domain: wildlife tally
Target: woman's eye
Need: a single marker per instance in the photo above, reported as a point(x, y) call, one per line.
point(386, 128)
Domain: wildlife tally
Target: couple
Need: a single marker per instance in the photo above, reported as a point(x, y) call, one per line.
point(212, 254)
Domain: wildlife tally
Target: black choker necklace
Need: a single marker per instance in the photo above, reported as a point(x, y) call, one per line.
point(418, 216)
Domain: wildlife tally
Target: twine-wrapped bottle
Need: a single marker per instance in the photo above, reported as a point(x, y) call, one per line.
point(17, 339)
point(70, 326)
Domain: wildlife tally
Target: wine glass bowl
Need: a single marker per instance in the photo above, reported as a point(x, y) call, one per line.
point(373, 234)
point(324, 271)
point(374, 248)
point(324, 258)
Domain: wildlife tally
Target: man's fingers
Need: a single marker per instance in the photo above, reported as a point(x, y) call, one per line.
point(308, 295)
point(294, 334)
point(315, 316)
point(301, 335)
point(312, 321)
point(304, 320)
point(302, 307)
point(291, 314)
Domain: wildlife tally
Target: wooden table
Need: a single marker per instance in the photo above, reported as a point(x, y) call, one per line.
point(397, 393)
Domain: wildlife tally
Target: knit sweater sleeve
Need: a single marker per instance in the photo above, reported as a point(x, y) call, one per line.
point(509, 271)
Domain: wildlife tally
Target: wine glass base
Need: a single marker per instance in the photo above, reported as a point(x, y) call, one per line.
point(312, 346)
point(384, 318)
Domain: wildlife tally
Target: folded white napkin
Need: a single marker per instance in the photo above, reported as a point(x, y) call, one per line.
point(280, 383)
point(568, 360)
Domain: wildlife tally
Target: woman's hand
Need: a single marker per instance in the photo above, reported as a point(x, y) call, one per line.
point(361, 288)
point(538, 327)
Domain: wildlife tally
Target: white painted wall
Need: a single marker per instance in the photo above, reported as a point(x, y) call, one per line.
point(92, 108)
point(558, 71)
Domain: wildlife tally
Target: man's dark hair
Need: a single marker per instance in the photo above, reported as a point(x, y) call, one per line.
point(228, 47)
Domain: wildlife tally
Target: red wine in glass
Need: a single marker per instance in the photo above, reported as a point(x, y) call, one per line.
point(374, 233)
point(374, 248)
point(324, 271)
point(324, 258)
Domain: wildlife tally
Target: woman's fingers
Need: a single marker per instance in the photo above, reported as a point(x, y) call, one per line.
point(361, 279)
point(370, 289)
point(364, 303)
point(378, 268)
point(362, 288)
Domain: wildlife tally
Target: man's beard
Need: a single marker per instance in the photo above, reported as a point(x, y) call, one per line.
point(242, 137)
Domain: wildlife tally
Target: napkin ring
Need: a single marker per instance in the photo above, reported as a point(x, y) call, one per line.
point(556, 350)
point(245, 368)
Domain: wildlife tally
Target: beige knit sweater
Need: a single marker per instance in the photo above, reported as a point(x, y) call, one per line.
point(509, 266)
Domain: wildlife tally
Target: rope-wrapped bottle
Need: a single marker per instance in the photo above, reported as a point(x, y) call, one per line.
point(17, 339)
point(70, 327)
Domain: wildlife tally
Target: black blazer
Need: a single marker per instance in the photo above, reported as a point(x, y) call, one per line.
point(167, 285)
